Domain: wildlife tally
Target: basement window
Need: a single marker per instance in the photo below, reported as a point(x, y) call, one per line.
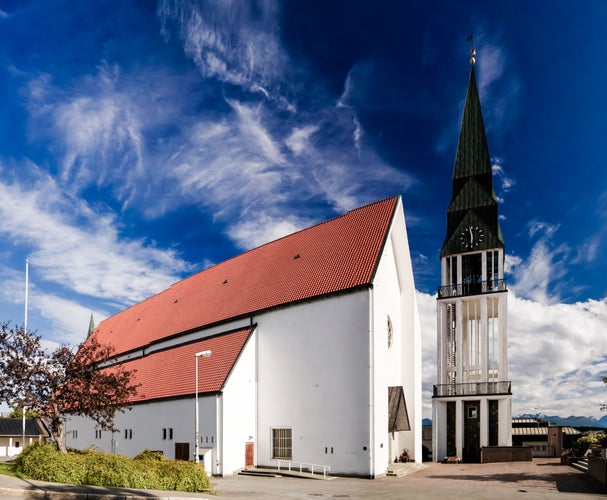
point(282, 444)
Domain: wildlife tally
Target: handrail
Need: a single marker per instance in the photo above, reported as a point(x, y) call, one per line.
point(472, 388)
point(325, 468)
point(463, 289)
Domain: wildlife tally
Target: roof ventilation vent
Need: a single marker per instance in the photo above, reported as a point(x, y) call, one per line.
point(176, 300)
point(297, 256)
point(225, 281)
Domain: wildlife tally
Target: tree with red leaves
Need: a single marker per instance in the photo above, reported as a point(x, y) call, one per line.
point(62, 382)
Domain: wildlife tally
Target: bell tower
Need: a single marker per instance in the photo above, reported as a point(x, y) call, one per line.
point(471, 404)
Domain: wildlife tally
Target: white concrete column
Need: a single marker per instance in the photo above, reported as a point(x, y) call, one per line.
point(503, 336)
point(459, 269)
point(459, 340)
point(459, 427)
point(484, 341)
point(441, 315)
point(505, 422)
point(484, 411)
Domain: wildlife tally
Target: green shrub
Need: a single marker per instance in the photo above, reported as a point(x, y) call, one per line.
point(151, 455)
point(149, 470)
point(587, 441)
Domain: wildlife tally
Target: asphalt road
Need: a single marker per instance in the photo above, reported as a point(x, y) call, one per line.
point(540, 479)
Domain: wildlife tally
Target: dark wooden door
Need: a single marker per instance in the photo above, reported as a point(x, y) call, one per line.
point(182, 451)
point(249, 455)
point(451, 449)
point(472, 431)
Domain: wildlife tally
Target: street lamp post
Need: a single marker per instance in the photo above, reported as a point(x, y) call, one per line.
point(202, 354)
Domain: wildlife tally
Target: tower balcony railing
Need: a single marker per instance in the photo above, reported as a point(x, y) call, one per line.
point(472, 389)
point(463, 289)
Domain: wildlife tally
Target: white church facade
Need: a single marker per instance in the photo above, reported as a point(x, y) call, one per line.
point(315, 355)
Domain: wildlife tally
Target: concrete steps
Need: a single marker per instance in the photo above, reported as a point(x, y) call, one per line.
point(402, 469)
point(580, 464)
point(283, 473)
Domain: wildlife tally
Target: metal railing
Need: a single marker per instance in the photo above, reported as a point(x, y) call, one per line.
point(472, 389)
point(464, 289)
point(302, 465)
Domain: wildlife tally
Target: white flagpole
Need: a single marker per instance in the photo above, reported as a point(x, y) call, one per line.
point(25, 330)
point(26, 292)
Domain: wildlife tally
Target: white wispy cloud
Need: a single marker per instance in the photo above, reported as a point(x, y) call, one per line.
point(490, 60)
point(507, 181)
point(81, 250)
point(299, 139)
point(545, 266)
point(234, 42)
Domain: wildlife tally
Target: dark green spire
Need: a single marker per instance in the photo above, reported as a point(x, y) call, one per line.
point(91, 326)
point(473, 202)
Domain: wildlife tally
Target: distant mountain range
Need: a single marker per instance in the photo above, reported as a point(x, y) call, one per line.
point(571, 421)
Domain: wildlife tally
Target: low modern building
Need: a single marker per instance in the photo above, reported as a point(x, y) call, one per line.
point(15, 434)
point(307, 349)
point(545, 439)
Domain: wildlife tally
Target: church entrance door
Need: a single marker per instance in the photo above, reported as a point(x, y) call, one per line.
point(472, 428)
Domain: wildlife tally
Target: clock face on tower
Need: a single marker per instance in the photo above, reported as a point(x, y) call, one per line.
point(471, 237)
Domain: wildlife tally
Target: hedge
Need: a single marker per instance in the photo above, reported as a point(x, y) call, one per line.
point(149, 470)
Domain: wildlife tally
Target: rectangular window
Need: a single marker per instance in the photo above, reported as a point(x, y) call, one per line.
point(97, 433)
point(128, 433)
point(171, 433)
point(282, 444)
point(164, 433)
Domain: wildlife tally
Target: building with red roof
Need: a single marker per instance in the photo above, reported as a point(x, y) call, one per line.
point(315, 355)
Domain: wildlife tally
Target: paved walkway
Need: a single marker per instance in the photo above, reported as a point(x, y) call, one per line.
point(540, 479)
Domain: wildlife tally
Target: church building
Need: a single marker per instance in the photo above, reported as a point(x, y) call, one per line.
point(306, 349)
point(472, 398)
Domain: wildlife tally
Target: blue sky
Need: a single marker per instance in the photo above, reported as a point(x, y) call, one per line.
point(144, 141)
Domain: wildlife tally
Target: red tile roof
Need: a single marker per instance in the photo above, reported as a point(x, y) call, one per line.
point(333, 256)
point(172, 372)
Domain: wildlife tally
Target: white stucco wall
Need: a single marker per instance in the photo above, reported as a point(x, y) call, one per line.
point(238, 410)
point(147, 421)
point(400, 364)
point(313, 377)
